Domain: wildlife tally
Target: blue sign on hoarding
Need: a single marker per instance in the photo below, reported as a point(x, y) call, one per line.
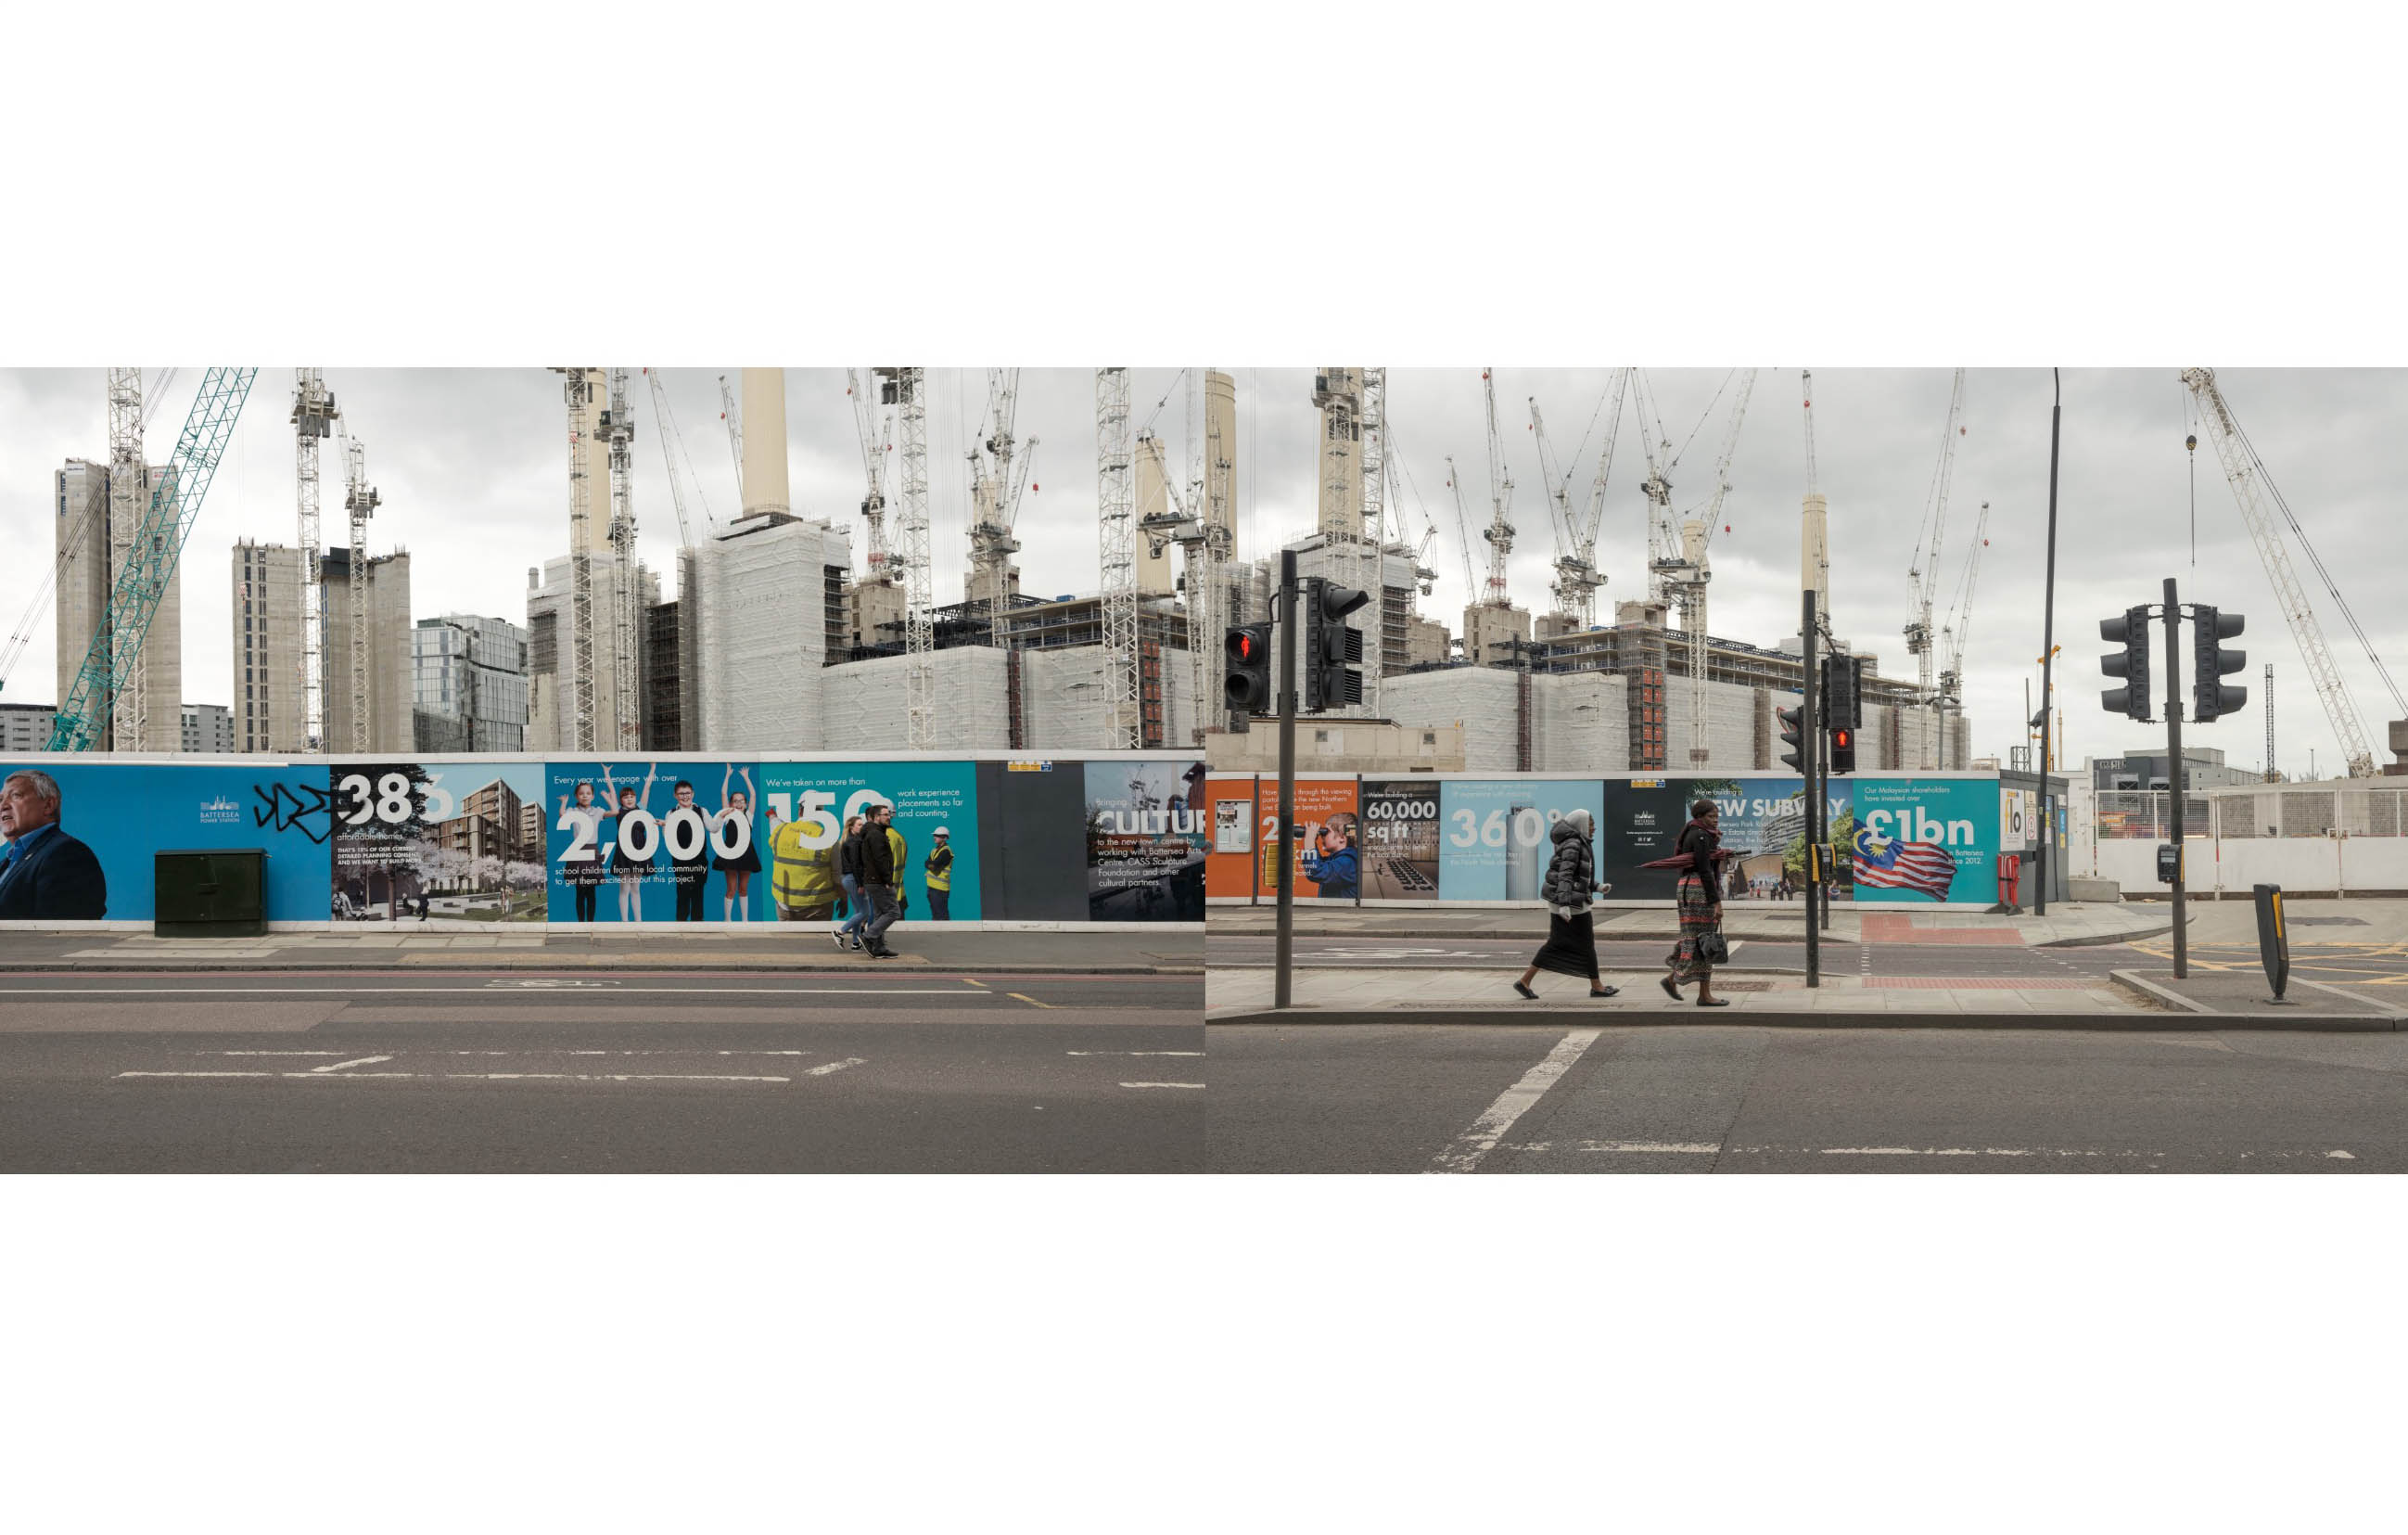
point(1923, 841)
point(125, 813)
point(1492, 841)
point(652, 841)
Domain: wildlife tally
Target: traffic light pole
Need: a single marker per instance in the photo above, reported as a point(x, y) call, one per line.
point(2048, 655)
point(2174, 768)
point(1283, 946)
point(1806, 732)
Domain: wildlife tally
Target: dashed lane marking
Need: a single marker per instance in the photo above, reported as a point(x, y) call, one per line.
point(1132, 1052)
point(340, 1066)
point(1464, 1154)
point(833, 1066)
point(1197, 1084)
point(1030, 1000)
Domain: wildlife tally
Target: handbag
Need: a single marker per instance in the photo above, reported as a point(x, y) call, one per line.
point(1713, 950)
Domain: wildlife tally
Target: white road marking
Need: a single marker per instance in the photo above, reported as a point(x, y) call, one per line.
point(1674, 1148)
point(197, 1073)
point(605, 1076)
point(1162, 1085)
point(363, 1060)
point(2340, 1156)
point(279, 1052)
point(1476, 1142)
point(1132, 1052)
point(549, 982)
point(835, 1066)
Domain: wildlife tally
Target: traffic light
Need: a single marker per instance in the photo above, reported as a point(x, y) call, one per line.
point(2132, 668)
point(1844, 750)
point(1247, 685)
point(1793, 734)
point(1842, 693)
point(1331, 646)
point(2211, 660)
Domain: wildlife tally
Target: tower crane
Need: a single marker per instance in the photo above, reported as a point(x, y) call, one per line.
point(314, 418)
point(1577, 576)
point(1462, 532)
point(1116, 513)
point(129, 706)
point(906, 390)
point(157, 545)
point(995, 501)
point(672, 444)
point(1924, 572)
point(1688, 581)
point(1500, 532)
point(877, 433)
point(360, 499)
point(2248, 473)
point(627, 619)
point(1960, 620)
point(578, 392)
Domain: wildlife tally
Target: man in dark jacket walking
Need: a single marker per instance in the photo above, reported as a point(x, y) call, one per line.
point(879, 877)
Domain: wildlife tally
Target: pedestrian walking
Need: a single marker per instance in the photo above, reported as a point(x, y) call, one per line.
point(855, 915)
point(1571, 948)
point(880, 875)
point(1699, 899)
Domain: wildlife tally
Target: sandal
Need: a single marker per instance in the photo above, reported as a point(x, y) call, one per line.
point(1525, 990)
point(1671, 989)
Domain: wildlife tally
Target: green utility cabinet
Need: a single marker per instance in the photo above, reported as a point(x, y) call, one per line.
point(211, 892)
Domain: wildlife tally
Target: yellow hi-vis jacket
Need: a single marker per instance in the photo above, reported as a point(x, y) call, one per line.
point(940, 868)
point(800, 875)
point(894, 843)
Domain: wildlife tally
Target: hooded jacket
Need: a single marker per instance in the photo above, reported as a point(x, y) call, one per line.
point(1571, 873)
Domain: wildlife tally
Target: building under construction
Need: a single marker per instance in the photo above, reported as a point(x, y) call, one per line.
point(95, 522)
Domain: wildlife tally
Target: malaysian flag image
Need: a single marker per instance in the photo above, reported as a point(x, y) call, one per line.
point(1886, 863)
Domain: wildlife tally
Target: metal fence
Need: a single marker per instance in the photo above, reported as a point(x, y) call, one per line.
point(2276, 810)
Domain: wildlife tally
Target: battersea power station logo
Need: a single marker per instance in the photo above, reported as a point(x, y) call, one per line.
point(220, 811)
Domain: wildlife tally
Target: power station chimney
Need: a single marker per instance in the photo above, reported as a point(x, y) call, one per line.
point(1814, 555)
point(764, 441)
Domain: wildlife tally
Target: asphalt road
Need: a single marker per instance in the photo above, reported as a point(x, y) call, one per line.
point(1509, 1099)
point(457, 1073)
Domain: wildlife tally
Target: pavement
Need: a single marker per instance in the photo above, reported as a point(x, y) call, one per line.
point(386, 1071)
point(1560, 1098)
point(786, 948)
point(2066, 923)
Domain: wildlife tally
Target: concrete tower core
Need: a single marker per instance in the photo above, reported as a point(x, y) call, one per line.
point(1815, 553)
point(1338, 392)
point(764, 441)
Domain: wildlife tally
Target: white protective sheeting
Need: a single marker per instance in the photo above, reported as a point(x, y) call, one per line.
point(1481, 699)
point(764, 639)
point(1581, 722)
point(864, 708)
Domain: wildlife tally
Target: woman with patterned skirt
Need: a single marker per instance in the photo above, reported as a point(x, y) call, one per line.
point(1699, 899)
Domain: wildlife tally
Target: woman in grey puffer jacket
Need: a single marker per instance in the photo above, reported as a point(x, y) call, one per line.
point(1571, 948)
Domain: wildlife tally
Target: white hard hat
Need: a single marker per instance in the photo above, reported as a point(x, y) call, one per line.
point(942, 832)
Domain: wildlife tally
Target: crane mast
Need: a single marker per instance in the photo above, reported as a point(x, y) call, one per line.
point(627, 624)
point(1116, 511)
point(1924, 572)
point(1371, 550)
point(1500, 532)
point(360, 499)
point(910, 386)
point(128, 706)
point(578, 392)
point(1960, 623)
point(2245, 475)
point(314, 416)
point(1462, 529)
point(875, 434)
point(1689, 577)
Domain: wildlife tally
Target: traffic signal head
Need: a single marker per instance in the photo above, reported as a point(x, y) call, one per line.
point(2130, 666)
point(2211, 660)
point(1841, 693)
point(1331, 646)
point(1793, 734)
point(1844, 749)
point(1247, 684)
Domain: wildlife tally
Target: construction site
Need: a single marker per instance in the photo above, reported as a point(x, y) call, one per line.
point(816, 629)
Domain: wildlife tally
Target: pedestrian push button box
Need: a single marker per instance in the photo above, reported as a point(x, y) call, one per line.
point(2169, 862)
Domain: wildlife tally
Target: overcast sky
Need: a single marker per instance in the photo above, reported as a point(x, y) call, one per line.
point(469, 467)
